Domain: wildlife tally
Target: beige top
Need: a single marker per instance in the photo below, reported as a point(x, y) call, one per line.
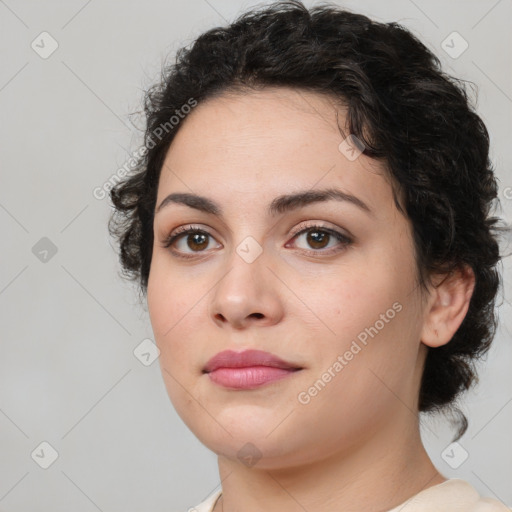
point(453, 495)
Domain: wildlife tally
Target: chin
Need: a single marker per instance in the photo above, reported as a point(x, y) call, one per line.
point(260, 446)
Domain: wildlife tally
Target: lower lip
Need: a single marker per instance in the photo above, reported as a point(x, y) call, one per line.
point(248, 377)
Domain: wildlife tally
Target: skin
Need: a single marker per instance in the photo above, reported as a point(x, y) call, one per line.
point(298, 301)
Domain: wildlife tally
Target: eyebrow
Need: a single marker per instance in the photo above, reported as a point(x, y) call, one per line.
point(279, 205)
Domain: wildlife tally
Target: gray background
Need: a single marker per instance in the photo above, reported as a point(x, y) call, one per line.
point(68, 375)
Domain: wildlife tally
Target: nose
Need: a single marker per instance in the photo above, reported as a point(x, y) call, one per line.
point(247, 294)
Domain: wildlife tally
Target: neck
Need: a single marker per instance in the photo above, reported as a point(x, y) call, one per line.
point(393, 465)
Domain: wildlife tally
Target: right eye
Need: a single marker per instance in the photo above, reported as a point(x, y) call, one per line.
point(195, 239)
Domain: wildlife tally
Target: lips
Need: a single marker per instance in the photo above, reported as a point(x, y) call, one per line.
point(248, 369)
point(245, 359)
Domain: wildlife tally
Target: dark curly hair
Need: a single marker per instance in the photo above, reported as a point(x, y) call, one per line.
point(400, 104)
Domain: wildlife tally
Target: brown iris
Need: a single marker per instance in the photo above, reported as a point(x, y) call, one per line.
point(317, 238)
point(200, 240)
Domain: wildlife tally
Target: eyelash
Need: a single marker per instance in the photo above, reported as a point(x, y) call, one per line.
point(190, 230)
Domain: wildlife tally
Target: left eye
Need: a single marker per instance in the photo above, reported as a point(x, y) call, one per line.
point(318, 237)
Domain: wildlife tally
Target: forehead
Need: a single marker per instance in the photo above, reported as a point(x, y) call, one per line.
point(266, 143)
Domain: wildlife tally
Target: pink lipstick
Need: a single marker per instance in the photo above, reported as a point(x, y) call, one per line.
point(248, 369)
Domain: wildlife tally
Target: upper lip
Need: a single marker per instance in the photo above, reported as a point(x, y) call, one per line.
point(232, 359)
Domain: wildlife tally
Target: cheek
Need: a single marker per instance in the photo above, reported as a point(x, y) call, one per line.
point(170, 296)
point(373, 318)
point(170, 310)
point(170, 306)
point(355, 302)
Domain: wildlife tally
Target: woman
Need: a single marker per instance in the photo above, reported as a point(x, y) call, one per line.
point(310, 225)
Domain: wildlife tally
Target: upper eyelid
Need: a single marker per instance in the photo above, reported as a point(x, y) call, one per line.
point(180, 230)
point(300, 229)
point(304, 227)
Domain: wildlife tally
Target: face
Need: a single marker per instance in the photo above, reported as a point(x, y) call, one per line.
point(328, 286)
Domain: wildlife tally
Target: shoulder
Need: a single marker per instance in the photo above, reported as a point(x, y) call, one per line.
point(208, 503)
point(453, 495)
point(478, 503)
point(489, 505)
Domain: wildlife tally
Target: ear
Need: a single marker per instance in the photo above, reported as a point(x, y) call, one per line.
point(447, 306)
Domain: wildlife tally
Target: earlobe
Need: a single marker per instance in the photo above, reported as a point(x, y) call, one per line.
point(447, 306)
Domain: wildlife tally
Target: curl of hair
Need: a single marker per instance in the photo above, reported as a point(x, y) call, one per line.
point(399, 103)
